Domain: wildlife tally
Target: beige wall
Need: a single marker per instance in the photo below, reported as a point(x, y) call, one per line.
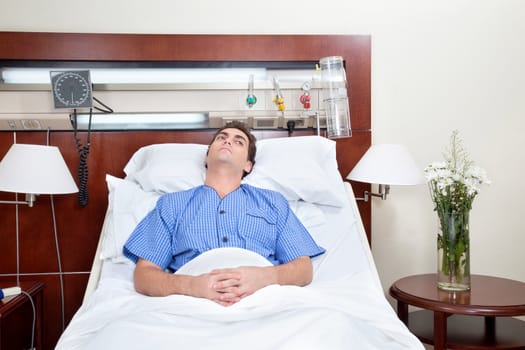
point(436, 66)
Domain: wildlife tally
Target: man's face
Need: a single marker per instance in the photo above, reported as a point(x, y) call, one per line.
point(230, 146)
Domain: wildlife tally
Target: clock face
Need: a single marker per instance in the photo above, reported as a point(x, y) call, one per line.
point(71, 89)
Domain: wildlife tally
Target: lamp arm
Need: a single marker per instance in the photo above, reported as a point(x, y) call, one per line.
point(384, 190)
point(30, 200)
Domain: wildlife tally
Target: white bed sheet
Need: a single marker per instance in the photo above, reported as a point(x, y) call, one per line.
point(343, 308)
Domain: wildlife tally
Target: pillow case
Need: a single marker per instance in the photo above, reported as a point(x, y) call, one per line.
point(128, 204)
point(301, 168)
point(168, 167)
point(308, 213)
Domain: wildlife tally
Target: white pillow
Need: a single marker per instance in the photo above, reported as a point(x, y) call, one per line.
point(168, 167)
point(301, 168)
point(221, 258)
point(308, 213)
point(128, 205)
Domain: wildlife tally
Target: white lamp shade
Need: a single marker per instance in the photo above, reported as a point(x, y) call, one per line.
point(387, 164)
point(35, 169)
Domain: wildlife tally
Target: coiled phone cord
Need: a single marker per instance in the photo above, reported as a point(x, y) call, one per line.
point(83, 152)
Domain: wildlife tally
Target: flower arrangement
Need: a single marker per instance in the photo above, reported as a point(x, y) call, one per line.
point(453, 186)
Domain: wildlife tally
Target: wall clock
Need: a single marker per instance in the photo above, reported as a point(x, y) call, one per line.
point(71, 89)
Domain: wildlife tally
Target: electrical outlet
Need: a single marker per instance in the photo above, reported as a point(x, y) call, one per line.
point(265, 122)
point(300, 123)
point(12, 124)
point(245, 120)
point(31, 124)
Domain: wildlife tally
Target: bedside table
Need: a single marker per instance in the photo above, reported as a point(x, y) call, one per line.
point(16, 317)
point(452, 319)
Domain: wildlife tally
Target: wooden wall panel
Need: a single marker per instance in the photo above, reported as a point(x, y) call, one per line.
point(79, 227)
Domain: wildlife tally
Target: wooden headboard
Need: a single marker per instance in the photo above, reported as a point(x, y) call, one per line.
point(79, 227)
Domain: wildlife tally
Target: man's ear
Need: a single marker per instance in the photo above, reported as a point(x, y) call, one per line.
point(206, 158)
point(248, 167)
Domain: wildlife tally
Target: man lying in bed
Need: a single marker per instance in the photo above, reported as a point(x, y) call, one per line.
point(221, 213)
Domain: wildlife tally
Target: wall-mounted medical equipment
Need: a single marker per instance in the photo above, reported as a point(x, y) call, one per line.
point(305, 98)
point(335, 97)
point(279, 97)
point(251, 99)
point(71, 89)
point(154, 96)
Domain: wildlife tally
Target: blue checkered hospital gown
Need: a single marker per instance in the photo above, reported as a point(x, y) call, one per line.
point(187, 223)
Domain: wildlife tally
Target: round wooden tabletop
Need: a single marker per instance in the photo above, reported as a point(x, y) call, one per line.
point(488, 296)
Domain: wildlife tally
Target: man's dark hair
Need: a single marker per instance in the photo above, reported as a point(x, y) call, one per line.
point(252, 147)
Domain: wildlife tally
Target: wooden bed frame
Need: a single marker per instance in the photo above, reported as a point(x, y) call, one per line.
point(79, 227)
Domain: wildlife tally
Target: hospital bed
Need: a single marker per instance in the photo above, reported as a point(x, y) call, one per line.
point(343, 308)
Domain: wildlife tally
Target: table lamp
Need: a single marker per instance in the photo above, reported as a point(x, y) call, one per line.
point(34, 170)
point(385, 165)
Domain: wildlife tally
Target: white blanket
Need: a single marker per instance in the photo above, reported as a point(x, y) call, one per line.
point(343, 308)
point(340, 314)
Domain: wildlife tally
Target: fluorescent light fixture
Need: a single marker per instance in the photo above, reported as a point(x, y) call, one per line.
point(182, 75)
point(137, 75)
point(141, 121)
point(28, 75)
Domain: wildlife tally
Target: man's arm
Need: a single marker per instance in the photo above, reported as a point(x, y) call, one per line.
point(248, 279)
point(298, 272)
point(224, 286)
point(150, 279)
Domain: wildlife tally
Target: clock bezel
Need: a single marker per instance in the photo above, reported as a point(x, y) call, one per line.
point(81, 87)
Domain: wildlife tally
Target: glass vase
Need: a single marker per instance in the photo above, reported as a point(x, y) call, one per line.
point(454, 251)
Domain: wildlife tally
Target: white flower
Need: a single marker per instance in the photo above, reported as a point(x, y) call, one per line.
point(455, 182)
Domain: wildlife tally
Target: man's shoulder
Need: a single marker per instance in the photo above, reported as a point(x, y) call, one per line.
point(179, 195)
point(263, 192)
